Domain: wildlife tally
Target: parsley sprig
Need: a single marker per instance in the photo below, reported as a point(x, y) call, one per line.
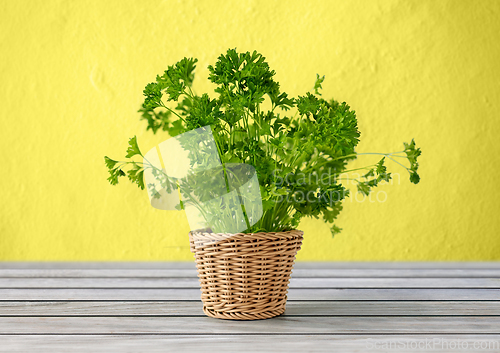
point(300, 147)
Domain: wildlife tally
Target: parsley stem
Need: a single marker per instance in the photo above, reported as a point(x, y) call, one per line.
point(172, 111)
point(353, 170)
point(345, 171)
point(395, 161)
point(365, 154)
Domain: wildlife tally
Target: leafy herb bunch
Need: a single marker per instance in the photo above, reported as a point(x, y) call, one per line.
point(299, 146)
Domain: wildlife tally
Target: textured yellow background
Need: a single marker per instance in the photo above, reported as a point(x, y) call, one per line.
point(72, 74)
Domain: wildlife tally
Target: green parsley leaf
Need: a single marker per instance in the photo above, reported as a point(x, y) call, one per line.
point(414, 177)
point(317, 84)
point(133, 148)
point(363, 188)
point(412, 153)
point(114, 175)
point(136, 175)
point(177, 78)
point(109, 162)
point(153, 95)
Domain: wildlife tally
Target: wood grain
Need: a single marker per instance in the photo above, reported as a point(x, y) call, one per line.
point(298, 272)
point(293, 308)
point(156, 307)
point(278, 325)
point(316, 265)
point(246, 343)
point(192, 282)
point(144, 294)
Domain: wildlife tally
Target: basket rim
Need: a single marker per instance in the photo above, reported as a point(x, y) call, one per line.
point(202, 239)
point(287, 232)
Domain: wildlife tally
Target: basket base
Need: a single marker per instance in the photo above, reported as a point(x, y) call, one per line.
point(243, 315)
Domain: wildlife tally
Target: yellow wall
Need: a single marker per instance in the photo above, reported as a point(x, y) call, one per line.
point(72, 74)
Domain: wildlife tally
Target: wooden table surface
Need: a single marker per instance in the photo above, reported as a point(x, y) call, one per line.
point(332, 307)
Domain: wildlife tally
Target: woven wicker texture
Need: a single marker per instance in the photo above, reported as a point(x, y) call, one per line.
point(245, 276)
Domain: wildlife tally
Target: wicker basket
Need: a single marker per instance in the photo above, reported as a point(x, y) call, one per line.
point(245, 276)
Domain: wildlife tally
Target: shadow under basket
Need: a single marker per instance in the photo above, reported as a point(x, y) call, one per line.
point(245, 276)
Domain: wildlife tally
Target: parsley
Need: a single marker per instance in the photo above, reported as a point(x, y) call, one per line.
point(133, 149)
point(299, 147)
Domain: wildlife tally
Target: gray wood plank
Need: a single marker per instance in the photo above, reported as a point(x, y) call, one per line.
point(97, 265)
point(279, 325)
point(293, 308)
point(298, 264)
point(399, 273)
point(250, 343)
point(297, 273)
point(364, 301)
point(97, 273)
point(134, 282)
point(399, 264)
point(293, 294)
point(183, 282)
